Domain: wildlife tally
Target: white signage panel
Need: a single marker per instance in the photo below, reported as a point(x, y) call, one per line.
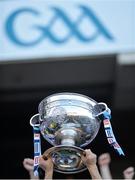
point(60, 28)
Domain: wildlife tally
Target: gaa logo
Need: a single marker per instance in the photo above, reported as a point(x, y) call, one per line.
point(48, 32)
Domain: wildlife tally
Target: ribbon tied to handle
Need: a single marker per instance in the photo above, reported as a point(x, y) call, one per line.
point(34, 122)
point(105, 116)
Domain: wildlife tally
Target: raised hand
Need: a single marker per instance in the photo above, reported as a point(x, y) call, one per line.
point(29, 166)
point(90, 160)
point(104, 159)
point(46, 164)
point(129, 173)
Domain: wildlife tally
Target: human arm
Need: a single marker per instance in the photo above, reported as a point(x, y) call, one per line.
point(103, 162)
point(90, 160)
point(28, 164)
point(129, 173)
point(47, 165)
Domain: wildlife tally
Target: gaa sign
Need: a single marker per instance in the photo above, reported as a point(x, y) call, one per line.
point(32, 30)
point(48, 31)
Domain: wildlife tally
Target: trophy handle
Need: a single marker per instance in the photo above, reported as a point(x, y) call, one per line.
point(101, 108)
point(34, 120)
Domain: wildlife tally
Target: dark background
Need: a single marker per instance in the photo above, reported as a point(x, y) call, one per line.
point(24, 84)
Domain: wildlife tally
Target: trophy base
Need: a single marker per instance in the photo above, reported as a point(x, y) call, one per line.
point(66, 159)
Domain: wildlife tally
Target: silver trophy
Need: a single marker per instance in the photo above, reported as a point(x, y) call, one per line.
point(68, 121)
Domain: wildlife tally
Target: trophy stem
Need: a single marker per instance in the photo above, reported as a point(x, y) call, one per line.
point(68, 142)
point(67, 136)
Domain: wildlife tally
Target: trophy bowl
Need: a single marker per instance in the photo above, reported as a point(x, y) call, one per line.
point(68, 121)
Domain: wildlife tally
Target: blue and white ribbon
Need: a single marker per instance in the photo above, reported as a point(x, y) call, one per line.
point(106, 116)
point(34, 122)
point(37, 149)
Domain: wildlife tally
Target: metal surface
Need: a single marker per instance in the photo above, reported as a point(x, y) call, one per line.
point(66, 159)
point(68, 121)
point(64, 112)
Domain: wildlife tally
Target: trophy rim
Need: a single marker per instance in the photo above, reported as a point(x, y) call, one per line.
point(66, 95)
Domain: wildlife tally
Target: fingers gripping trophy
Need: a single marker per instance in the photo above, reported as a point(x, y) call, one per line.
point(69, 122)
